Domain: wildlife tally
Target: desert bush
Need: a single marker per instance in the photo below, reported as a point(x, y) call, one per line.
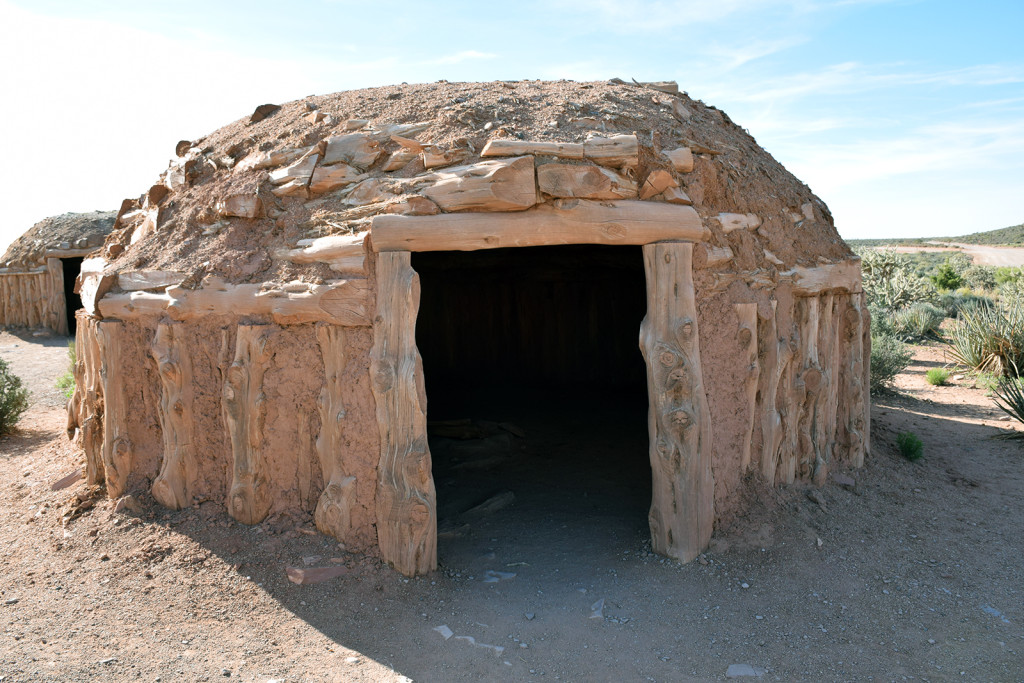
point(1012, 290)
point(66, 382)
point(980, 277)
point(937, 376)
point(1004, 274)
point(990, 339)
point(1009, 396)
point(947, 277)
point(889, 356)
point(13, 398)
point(918, 321)
point(889, 282)
point(952, 302)
point(910, 446)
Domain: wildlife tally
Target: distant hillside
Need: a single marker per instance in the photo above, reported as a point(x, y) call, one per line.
point(1014, 235)
point(888, 242)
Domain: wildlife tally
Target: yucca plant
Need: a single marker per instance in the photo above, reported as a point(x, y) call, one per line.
point(990, 339)
point(1009, 396)
point(918, 321)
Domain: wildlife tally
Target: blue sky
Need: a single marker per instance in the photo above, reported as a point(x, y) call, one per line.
point(905, 116)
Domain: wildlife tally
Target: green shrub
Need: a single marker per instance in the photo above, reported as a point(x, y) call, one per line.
point(947, 277)
point(918, 321)
point(66, 382)
point(1009, 396)
point(13, 399)
point(889, 357)
point(910, 446)
point(990, 339)
point(937, 376)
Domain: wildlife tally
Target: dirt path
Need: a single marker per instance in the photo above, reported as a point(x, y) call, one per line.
point(982, 255)
point(914, 573)
point(992, 256)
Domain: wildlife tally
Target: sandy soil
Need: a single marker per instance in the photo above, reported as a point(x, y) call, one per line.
point(914, 572)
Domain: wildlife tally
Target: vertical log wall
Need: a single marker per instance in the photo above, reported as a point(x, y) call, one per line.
point(34, 298)
point(798, 356)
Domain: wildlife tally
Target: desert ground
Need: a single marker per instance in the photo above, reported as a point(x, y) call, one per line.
point(897, 571)
point(981, 254)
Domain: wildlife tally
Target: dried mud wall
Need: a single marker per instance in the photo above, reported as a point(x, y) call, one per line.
point(34, 298)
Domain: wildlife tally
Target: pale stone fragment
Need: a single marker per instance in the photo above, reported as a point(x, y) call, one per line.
point(261, 160)
point(716, 255)
point(327, 178)
point(681, 158)
point(414, 206)
point(239, 205)
point(300, 170)
point(141, 280)
point(360, 150)
point(738, 221)
point(675, 195)
point(657, 182)
point(434, 157)
point(295, 188)
point(400, 159)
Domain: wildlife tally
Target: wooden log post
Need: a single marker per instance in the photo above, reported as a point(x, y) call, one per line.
point(778, 359)
point(3, 301)
point(747, 335)
point(57, 304)
point(828, 395)
point(333, 515)
point(858, 426)
point(679, 421)
point(406, 505)
point(117, 447)
point(174, 366)
point(85, 409)
point(244, 411)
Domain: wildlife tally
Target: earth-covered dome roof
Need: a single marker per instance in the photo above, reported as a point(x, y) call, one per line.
point(248, 201)
point(64, 233)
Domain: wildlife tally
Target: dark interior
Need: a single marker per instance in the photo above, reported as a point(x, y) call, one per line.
point(536, 389)
point(72, 302)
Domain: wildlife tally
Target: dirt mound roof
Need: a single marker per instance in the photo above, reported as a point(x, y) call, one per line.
point(69, 231)
point(233, 202)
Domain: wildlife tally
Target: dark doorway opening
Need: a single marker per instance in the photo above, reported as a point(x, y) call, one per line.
point(72, 302)
point(536, 398)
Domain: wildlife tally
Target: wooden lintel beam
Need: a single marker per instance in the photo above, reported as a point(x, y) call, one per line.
point(570, 221)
